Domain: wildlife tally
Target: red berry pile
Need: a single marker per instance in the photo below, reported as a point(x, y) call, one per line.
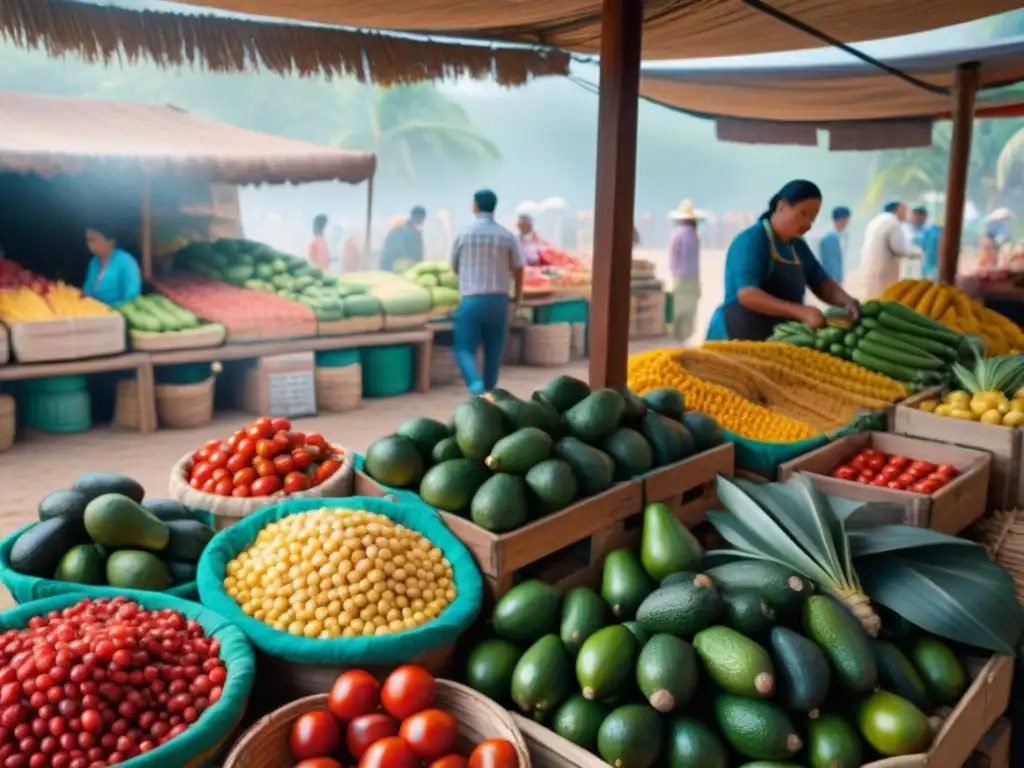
point(101, 682)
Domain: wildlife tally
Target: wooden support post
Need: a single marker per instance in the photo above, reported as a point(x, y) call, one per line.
point(964, 90)
point(369, 219)
point(146, 233)
point(621, 32)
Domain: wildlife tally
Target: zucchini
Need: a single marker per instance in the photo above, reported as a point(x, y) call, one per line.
point(870, 323)
point(850, 340)
point(861, 330)
point(946, 336)
point(936, 348)
point(838, 350)
point(904, 312)
point(915, 360)
point(884, 367)
point(870, 308)
point(831, 335)
point(896, 344)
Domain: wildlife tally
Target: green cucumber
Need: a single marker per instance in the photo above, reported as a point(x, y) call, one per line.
point(890, 340)
point(946, 336)
point(904, 312)
point(850, 340)
point(884, 367)
point(918, 360)
point(937, 348)
point(869, 323)
point(837, 350)
point(870, 309)
point(831, 335)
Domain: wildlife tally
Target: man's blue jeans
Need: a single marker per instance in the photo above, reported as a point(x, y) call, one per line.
point(481, 319)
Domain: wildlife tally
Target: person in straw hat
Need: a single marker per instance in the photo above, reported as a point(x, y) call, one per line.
point(684, 265)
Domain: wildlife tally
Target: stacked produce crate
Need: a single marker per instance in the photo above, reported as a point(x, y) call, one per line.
point(647, 301)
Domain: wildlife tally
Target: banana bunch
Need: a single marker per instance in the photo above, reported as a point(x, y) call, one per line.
point(68, 301)
point(24, 305)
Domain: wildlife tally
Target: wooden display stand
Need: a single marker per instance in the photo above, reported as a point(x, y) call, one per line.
point(688, 487)
point(75, 338)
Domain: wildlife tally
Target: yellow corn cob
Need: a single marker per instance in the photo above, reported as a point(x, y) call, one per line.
point(23, 305)
point(949, 318)
point(943, 300)
point(924, 306)
point(916, 292)
point(898, 290)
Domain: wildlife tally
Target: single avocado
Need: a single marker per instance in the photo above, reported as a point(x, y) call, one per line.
point(446, 450)
point(542, 678)
point(736, 663)
point(583, 613)
point(117, 521)
point(630, 451)
point(579, 720)
point(802, 674)
point(70, 504)
point(38, 551)
point(188, 540)
point(624, 585)
point(634, 405)
point(682, 577)
point(632, 736)
point(490, 666)
point(563, 392)
point(554, 425)
point(896, 674)
point(519, 452)
point(682, 610)
point(666, 545)
point(783, 589)
point(479, 424)
point(93, 484)
point(704, 429)
point(527, 612)
point(756, 728)
point(594, 470)
point(169, 509)
point(394, 461)
point(843, 640)
point(82, 564)
point(520, 414)
point(667, 672)
point(424, 433)
point(833, 743)
point(605, 662)
point(892, 725)
point(135, 569)
point(747, 613)
point(500, 504)
point(669, 439)
point(667, 402)
point(452, 485)
point(552, 485)
point(940, 669)
point(596, 416)
point(692, 744)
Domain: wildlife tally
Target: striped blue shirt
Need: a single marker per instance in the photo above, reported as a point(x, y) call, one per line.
point(484, 256)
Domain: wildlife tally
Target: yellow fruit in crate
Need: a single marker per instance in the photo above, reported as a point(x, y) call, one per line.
point(979, 405)
point(1013, 419)
point(944, 410)
point(957, 397)
point(1017, 404)
point(991, 417)
point(966, 415)
point(1019, 394)
point(1003, 406)
point(928, 406)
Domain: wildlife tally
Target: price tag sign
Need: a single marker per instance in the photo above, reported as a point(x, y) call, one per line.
point(291, 385)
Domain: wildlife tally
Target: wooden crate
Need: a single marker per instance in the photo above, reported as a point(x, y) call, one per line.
point(688, 487)
point(964, 730)
point(950, 510)
point(72, 338)
point(994, 749)
point(1005, 491)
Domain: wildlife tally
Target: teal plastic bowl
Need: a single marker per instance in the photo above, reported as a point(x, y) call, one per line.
point(562, 312)
point(186, 373)
point(61, 412)
point(55, 384)
point(387, 371)
point(337, 358)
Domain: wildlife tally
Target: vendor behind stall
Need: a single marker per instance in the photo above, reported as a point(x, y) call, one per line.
point(113, 275)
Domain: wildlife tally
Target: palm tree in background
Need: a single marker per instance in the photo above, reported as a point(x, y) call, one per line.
point(412, 129)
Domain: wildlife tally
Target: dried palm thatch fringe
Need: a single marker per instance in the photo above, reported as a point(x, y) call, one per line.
point(102, 33)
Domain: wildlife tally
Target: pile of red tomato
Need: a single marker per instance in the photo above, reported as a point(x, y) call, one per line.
point(389, 725)
point(871, 467)
point(265, 458)
point(101, 682)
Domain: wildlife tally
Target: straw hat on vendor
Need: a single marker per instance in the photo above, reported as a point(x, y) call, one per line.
point(684, 265)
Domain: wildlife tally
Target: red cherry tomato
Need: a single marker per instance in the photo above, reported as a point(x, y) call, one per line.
point(890, 472)
point(916, 472)
point(301, 458)
point(284, 464)
point(242, 491)
point(220, 473)
point(246, 476)
point(879, 482)
point(355, 692)
point(246, 447)
point(431, 733)
point(224, 487)
point(845, 473)
point(267, 448)
point(494, 753)
point(928, 487)
point(876, 463)
point(408, 690)
point(210, 486)
point(870, 474)
point(391, 752)
point(314, 734)
point(202, 472)
point(327, 468)
point(218, 459)
point(295, 482)
point(263, 467)
point(316, 440)
point(201, 455)
point(898, 461)
point(365, 730)
point(235, 438)
point(283, 441)
point(859, 463)
point(907, 479)
point(266, 486)
point(896, 485)
point(319, 762)
point(280, 425)
point(947, 470)
point(236, 462)
point(450, 761)
point(923, 465)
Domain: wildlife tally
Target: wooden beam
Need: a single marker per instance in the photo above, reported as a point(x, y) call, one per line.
point(965, 88)
point(621, 32)
point(369, 221)
point(146, 235)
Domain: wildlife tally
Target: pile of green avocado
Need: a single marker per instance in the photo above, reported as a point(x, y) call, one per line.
point(504, 461)
point(100, 532)
point(741, 664)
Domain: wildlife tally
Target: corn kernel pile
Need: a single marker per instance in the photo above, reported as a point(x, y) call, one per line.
point(340, 573)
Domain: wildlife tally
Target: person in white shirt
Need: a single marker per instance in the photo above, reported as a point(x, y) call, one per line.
point(885, 246)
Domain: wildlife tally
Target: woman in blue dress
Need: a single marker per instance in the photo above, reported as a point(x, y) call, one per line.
point(113, 275)
point(769, 268)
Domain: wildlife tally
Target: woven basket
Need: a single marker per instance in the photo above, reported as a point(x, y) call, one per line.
point(185, 406)
point(5, 345)
point(126, 404)
point(265, 744)
point(339, 389)
point(8, 422)
point(513, 347)
point(1002, 534)
point(578, 342)
point(547, 346)
point(443, 369)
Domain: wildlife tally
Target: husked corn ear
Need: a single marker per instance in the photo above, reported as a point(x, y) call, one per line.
point(24, 305)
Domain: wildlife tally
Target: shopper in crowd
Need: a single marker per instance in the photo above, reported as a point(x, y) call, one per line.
point(319, 254)
point(885, 248)
point(489, 261)
point(832, 246)
point(403, 245)
point(927, 237)
point(769, 267)
point(684, 266)
point(113, 275)
point(529, 241)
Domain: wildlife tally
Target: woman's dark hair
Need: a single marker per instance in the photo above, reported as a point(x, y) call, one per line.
point(319, 222)
point(105, 228)
point(793, 192)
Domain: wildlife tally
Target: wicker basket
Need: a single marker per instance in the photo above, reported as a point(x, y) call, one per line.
point(126, 404)
point(8, 422)
point(185, 406)
point(265, 744)
point(578, 343)
point(5, 345)
point(513, 347)
point(547, 346)
point(1002, 534)
point(443, 369)
point(339, 389)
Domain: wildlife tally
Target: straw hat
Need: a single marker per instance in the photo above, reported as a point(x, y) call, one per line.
point(685, 212)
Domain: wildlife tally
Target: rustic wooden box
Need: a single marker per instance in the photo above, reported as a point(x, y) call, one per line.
point(950, 510)
point(1005, 490)
point(964, 730)
point(73, 338)
point(994, 749)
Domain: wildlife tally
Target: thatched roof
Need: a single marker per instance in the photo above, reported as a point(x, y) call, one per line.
point(220, 44)
point(49, 135)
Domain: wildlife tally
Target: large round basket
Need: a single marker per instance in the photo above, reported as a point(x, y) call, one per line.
point(126, 404)
point(339, 389)
point(8, 422)
point(185, 406)
point(547, 346)
point(265, 744)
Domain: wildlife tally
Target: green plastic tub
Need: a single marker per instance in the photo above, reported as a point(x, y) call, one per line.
point(58, 411)
point(55, 384)
point(337, 358)
point(563, 312)
point(186, 373)
point(387, 371)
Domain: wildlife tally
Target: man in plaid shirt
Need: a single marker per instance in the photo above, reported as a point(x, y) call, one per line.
point(487, 258)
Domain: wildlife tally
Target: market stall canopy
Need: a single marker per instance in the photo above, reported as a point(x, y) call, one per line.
point(47, 135)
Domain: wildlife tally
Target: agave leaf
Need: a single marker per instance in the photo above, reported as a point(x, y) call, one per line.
point(830, 530)
point(946, 601)
point(722, 556)
point(875, 539)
